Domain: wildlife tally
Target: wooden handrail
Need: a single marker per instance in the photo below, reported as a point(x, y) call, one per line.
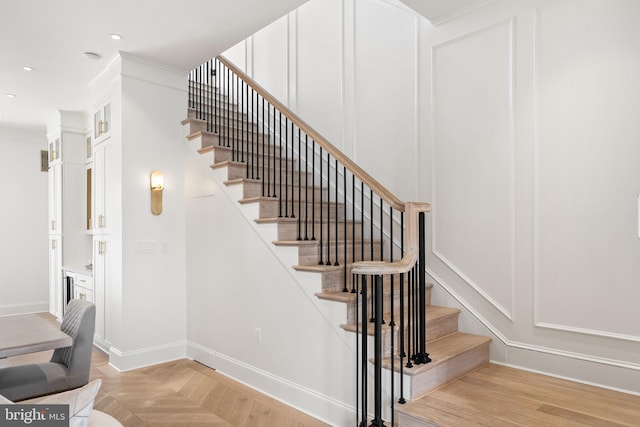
point(410, 257)
point(356, 170)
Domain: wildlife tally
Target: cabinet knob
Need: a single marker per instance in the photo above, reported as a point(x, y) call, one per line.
point(100, 127)
point(53, 224)
point(101, 221)
point(53, 244)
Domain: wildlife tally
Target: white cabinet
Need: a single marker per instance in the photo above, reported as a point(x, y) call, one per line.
point(83, 287)
point(55, 276)
point(102, 121)
point(69, 243)
point(101, 280)
point(55, 198)
point(103, 208)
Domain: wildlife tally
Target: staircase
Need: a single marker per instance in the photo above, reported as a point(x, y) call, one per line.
point(316, 210)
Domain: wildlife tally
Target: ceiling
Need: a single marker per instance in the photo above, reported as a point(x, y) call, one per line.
point(51, 36)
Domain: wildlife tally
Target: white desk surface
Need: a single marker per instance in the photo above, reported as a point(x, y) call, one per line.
point(29, 333)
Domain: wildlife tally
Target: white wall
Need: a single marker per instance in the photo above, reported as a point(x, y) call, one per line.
point(154, 102)
point(236, 284)
point(517, 121)
point(24, 258)
point(146, 292)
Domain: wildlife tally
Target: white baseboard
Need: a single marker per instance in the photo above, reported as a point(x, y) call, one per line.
point(34, 307)
point(127, 360)
point(299, 397)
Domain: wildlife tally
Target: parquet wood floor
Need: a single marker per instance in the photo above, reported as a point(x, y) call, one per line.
point(181, 393)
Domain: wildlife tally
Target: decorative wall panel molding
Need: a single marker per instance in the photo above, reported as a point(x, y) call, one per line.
point(473, 159)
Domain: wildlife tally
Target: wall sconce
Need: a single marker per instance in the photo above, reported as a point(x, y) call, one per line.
point(157, 185)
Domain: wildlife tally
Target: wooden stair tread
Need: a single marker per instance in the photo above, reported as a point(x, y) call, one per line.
point(434, 313)
point(442, 350)
point(295, 243)
point(318, 268)
point(238, 181)
point(351, 296)
point(316, 242)
point(275, 220)
point(270, 199)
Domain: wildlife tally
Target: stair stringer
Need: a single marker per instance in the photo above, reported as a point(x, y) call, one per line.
point(332, 401)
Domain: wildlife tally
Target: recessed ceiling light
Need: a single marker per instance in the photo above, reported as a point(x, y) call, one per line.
point(10, 95)
point(27, 68)
point(116, 36)
point(92, 56)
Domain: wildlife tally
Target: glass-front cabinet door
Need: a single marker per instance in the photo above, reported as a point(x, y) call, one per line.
point(102, 122)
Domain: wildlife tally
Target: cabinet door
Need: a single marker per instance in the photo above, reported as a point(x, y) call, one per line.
point(83, 294)
point(55, 199)
point(55, 276)
point(102, 122)
point(101, 277)
point(54, 151)
point(102, 191)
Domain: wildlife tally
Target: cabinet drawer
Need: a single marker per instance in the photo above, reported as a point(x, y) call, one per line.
point(84, 282)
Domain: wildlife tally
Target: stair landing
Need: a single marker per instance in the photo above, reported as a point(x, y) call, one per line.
point(495, 395)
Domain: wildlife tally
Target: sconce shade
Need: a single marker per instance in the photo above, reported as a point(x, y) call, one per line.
point(157, 180)
point(156, 183)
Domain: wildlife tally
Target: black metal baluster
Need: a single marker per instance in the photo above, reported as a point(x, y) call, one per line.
point(362, 220)
point(215, 97)
point(409, 319)
point(286, 168)
point(299, 187)
point(423, 356)
point(313, 190)
point(244, 117)
point(235, 154)
point(328, 209)
point(262, 157)
point(371, 224)
point(344, 228)
point(354, 280)
point(392, 322)
point(257, 145)
point(353, 223)
point(199, 91)
point(377, 360)
point(336, 198)
point(321, 247)
point(401, 339)
point(280, 198)
point(365, 361)
point(267, 136)
point(254, 117)
point(273, 148)
point(306, 187)
point(228, 109)
point(293, 173)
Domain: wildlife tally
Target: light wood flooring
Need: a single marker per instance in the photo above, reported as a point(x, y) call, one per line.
point(182, 393)
point(497, 396)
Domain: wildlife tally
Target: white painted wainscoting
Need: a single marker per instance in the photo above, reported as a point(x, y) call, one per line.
point(517, 120)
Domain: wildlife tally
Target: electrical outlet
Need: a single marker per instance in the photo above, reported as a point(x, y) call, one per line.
point(259, 335)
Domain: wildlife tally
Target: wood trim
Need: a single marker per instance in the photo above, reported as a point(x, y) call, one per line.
point(411, 255)
point(363, 176)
